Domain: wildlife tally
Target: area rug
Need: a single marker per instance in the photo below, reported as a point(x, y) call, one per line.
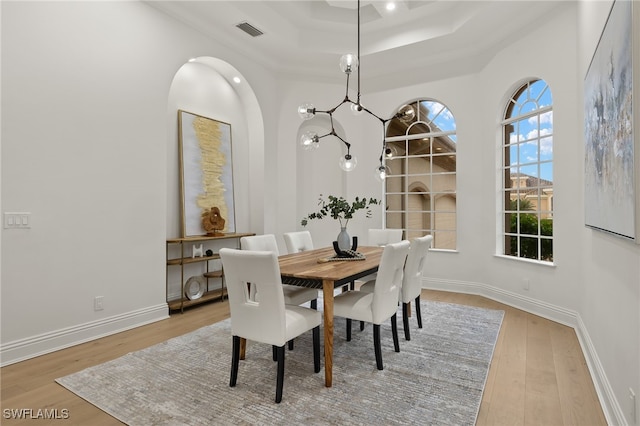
point(437, 378)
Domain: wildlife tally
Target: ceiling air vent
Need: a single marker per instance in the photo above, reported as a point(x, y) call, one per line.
point(249, 29)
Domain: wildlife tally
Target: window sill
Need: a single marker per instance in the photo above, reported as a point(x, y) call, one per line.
point(525, 260)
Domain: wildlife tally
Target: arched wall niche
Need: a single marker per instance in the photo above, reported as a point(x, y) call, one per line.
point(205, 86)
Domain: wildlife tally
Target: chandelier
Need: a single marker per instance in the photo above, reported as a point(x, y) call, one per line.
point(311, 140)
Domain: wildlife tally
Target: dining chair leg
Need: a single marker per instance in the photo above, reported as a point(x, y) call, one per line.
point(280, 379)
point(405, 321)
point(274, 352)
point(290, 344)
point(376, 345)
point(316, 349)
point(418, 313)
point(348, 329)
point(361, 325)
point(394, 330)
point(314, 304)
point(235, 358)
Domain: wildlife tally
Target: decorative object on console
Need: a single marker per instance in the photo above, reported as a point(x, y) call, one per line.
point(206, 173)
point(339, 208)
point(196, 251)
point(310, 139)
point(195, 287)
point(212, 221)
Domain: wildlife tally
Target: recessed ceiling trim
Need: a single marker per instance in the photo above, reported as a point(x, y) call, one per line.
point(249, 29)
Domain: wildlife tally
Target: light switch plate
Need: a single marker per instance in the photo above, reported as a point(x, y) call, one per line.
point(17, 220)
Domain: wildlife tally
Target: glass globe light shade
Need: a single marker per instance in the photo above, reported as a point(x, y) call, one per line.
point(356, 109)
point(406, 113)
point(382, 172)
point(309, 140)
point(306, 111)
point(348, 163)
point(348, 63)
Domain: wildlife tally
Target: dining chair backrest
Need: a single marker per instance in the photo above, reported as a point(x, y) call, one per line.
point(266, 242)
point(298, 241)
point(382, 237)
point(389, 281)
point(263, 320)
point(412, 279)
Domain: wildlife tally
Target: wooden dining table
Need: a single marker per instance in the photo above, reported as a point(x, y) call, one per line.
point(312, 269)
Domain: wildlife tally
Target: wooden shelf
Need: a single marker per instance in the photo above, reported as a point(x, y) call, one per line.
point(214, 274)
point(187, 260)
point(179, 256)
point(178, 304)
point(208, 237)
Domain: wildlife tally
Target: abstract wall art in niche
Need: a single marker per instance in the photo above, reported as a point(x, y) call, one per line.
point(206, 173)
point(611, 147)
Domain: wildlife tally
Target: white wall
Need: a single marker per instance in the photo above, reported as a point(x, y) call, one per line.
point(85, 134)
point(609, 296)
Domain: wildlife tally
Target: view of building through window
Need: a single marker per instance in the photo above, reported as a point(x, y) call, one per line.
point(421, 181)
point(527, 171)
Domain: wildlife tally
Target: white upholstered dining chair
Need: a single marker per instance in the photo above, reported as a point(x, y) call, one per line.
point(382, 303)
point(380, 237)
point(293, 295)
point(411, 281)
point(268, 320)
point(298, 241)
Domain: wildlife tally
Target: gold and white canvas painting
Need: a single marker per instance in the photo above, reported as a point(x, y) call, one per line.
point(206, 171)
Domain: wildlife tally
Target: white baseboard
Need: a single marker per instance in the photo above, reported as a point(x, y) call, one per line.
point(608, 401)
point(31, 347)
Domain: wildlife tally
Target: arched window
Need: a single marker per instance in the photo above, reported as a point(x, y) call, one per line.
point(527, 170)
point(421, 181)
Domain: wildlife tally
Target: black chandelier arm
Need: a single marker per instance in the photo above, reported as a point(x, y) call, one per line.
point(328, 134)
point(333, 133)
point(347, 144)
point(346, 92)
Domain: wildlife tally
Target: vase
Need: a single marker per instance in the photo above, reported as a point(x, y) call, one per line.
point(344, 241)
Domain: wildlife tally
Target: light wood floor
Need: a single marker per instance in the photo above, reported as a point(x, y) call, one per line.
point(538, 375)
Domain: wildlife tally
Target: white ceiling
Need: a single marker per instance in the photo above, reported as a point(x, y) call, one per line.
point(420, 40)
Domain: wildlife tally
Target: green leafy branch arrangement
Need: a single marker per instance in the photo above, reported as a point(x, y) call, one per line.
point(339, 208)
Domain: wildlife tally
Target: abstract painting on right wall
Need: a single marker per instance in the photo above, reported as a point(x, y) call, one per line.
point(611, 200)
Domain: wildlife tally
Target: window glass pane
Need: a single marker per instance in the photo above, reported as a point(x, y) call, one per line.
point(445, 221)
point(394, 202)
point(443, 183)
point(418, 129)
point(528, 152)
point(528, 224)
point(528, 248)
point(396, 165)
point(445, 240)
point(445, 162)
point(527, 170)
point(419, 165)
point(423, 168)
point(394, 220)
point(394, 183)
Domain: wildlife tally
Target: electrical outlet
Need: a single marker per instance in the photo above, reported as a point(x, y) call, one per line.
point(98, 303)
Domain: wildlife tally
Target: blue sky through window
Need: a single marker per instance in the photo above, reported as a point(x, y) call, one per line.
point(532, 137)
point(441, 117)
